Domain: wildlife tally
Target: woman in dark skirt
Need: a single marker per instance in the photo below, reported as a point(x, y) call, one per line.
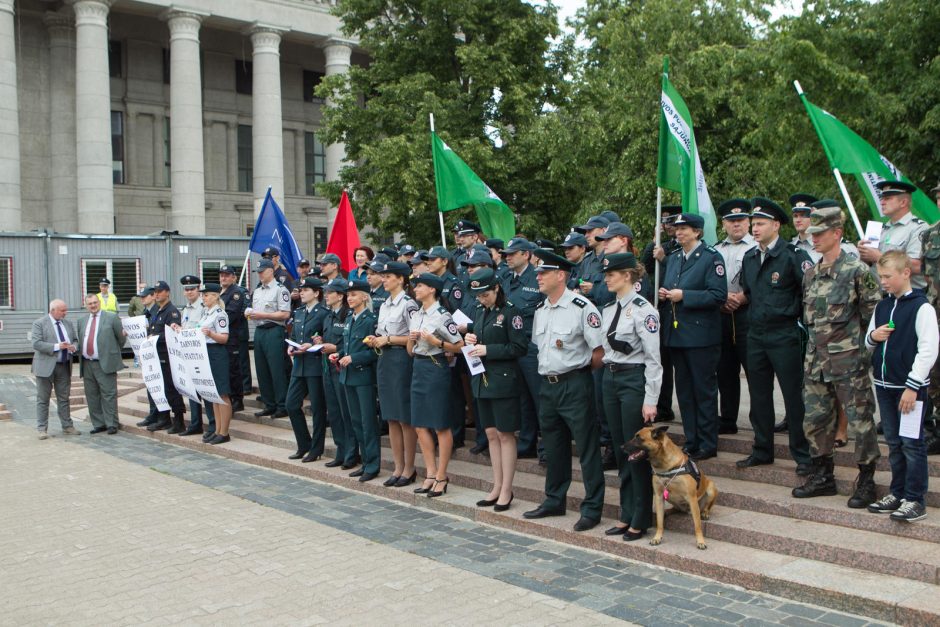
point(394, 371)
point(337, 410)
point(499, 341)
point(214, 325)
point(432, 339)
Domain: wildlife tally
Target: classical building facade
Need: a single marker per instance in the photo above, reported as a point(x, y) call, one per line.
point(137, 116)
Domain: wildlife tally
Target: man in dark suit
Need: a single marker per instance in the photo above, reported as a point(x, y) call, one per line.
point(53, 340)
point(101, 336)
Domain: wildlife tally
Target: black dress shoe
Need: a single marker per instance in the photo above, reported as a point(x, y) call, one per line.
point(174, 430)
point(264, 412)
point(112, 430)
point(750, 461)
point(310, 457)
point(367, 476)
point(403, 480)
point(238, 405)
point(146, 422)
point(208, 435)
point(352, 464)
point(259, 399)
point(334, 463)
point(701, 455)
point(542, 512)
point(616, 531)
point(479, 448)
point(584, 523)
point(296, 455)
point(98, 430)
point(391, 481)
point(220, 439)
point(728, 430)
point(357, 473)
point(630, 536)
point(280, 414)
point(159, 426)
point(502, 507)
point(782, 427)
point(487, 502)
point(192, 430)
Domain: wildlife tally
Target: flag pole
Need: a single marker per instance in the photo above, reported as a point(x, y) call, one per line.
point(835, 171)
point(440, 214)
point(244, 267)
point(658, 230)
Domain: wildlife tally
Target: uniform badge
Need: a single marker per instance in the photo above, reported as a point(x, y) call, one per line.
point(236, 296)
point(222, 323)
point(652, 323)
point(558, 344)
point(457, 293)
point(281, 279)
point(285, 297)
point(637, 287)
point(775, 278)
point(474, 284)
point(806, 265)
point(594, 320)
point(719, 269)
point(452, 327)
point(517, 323)
point(499, 319)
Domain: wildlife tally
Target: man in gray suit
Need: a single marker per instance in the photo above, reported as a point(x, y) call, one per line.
point(101, 336)
point(53, 345)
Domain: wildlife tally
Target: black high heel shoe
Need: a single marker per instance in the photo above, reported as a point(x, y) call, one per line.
point(487, 502)
point(433, 493)
point(503, 507)
point(405, 481)
point(391, 481)
point(425, 490)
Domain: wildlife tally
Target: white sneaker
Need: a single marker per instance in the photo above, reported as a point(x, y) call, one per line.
point(71, 431)
point(43, 435)
point(909, 511)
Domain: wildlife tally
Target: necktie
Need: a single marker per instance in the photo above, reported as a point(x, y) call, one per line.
point(90, 344)
point(618, 345)
point(63, 354)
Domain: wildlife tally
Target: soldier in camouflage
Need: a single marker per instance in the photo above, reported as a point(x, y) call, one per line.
point(839, 297)
point(930, 266)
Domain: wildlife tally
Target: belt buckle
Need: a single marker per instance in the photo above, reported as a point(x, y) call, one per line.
point(552, 378)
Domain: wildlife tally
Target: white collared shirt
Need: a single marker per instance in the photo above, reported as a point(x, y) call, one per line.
point(56, 327)
point(94, 354)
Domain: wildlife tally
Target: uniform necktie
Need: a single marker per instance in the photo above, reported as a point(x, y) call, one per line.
point(618, 345)
point(63, 353)
point(90, 343)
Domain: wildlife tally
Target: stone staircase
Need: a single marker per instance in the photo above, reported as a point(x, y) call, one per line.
point(759, 537)
point(128, 380)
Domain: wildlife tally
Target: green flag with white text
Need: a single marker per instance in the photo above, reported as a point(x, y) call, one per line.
point(458, 186)
point(680, 169)
point(851, 154)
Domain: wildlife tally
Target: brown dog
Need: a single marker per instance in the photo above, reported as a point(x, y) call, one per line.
point(675, 479)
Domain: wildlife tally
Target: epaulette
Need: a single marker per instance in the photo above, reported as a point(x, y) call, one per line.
point(540, 305)
point(793, 248)
point(442, 309)
point(711, 249)
point(509, 303)
point(639, 301)
point(675, 250)
point(917, 220)
point(580, 302)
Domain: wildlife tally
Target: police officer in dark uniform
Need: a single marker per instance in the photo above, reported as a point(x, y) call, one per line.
point(306, 377)
point(693, 290)
point(166, 314)
point(575, 246)
point(234, 300)
point(772, 280)
point(592, 264)
point(337, 408)
point(495, 246)
point(146, 296)
point(373, 275)
point(466, 233)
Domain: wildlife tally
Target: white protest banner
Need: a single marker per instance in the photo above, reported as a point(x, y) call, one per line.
point(178, 367)
point(194, 358)
point(153, 376)
point(136, 329)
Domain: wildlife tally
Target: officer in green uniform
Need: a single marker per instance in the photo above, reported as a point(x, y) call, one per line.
point(337, 409)
point(270, 309)
point(772, 283)
point(306, 377)
point(567, 331)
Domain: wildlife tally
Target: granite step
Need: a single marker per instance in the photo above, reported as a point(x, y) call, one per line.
point(904, 600)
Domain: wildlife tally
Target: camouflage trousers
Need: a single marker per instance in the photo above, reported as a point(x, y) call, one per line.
point(933, 392)
point(855, 396)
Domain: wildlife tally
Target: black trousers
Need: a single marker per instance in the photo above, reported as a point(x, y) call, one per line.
point(234, 368)
point(173, 397)
point(733, 358)
point(697, 392)
point(664, 404)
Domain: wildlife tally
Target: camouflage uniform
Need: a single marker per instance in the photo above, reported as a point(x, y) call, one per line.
point(838, 302)
point(930, 268)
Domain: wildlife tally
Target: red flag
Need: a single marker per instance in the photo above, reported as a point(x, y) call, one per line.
point(344, 239)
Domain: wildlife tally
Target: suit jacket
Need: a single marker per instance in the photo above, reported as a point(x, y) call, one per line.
point(362, 369)
point(695, 321)
point(110, 341)
point(45, 339)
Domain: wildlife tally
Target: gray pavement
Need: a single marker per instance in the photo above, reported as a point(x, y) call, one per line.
point(126, 530)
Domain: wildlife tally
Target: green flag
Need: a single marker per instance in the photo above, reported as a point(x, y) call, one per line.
point(680, 168)
point(458, 186)
point(849, 153)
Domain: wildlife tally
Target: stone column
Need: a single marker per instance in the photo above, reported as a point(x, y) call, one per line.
point(266, 128)
point(11, 214)
point(187, 167)
point(93, 117)
point(231, 154)
point(63, 193)
point(338, 55)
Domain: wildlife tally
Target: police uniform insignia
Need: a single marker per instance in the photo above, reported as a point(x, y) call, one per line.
point(719, 269)
point(499, 319)
point(806, 265)
point(637, 286)
point(223, 323)
point(774, 278)
point(457, 293)
point(594, 320)
point(606, 262)
point(452, 327)
point(558, 343)
point(236, 296)
point(285, 297)
point(651, 323)
point(579, 302)
point(517, 322)
point(474, 284)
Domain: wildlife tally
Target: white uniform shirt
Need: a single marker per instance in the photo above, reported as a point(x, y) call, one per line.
point(566, 333)
point(271, 298)
point(192, 314)
point(639, 327)
point(395, 315)
point(216, 320)
point(437, 321)
point(733, 254)
point(904, 235)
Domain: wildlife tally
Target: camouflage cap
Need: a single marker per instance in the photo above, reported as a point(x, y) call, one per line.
point(825, 219)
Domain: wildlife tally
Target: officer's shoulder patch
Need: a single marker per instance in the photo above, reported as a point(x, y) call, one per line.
point(540, 305)
point(806, 265)
point(580, 302)
point(594, 320)
point(285, 296)
point(452, 328)
point(236, 296)
point(651, 323)
point(223, 323)
point(639, 301)
point(711, 249)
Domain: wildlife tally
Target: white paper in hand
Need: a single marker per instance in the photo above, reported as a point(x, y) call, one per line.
point(873, 232)
point(910, 422)
point(461, 318)
point(474, 363)
point(313, 349)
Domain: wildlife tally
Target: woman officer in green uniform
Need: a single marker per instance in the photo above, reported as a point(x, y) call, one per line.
point(337, 410)
point(306, 377)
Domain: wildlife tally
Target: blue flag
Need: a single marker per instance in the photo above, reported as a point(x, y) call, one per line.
point(272, 229)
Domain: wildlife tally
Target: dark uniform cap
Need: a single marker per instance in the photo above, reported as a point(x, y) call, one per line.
point(264, 264)
point(893, 188)
point(390, 251)
point(336, 285)
point(431, 280)
point(801, 202)
point(611, 216)
point(824, 219)
point(314, 270)
point(615, 229)
point(574, 239)
point(439, 252)
point(551, 261)
point(377, 265)
point(734, 209)
point(619, 261)
point(214, 288)
point(406, 249)
point(594, 222)
point(397, 267)
point(483, 280)
point(271, 251)
point(190, 280)
point(161, 285)
point(381, 258)
point(481, 247)
point(496, 243)
point(104, 281)
point(227, 270)
point(477, 258)
point(303, 262)
point(358, 286)
point(465, 227)
point(690, 219)
point(824, 203)
point(330, 258)
point(147, 291)
point(547, 244)
point(420, 257)
point(518, 244)
point(311, 282)
point(766, 208)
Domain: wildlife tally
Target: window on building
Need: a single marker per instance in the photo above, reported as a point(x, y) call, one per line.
point(115, 59)
point(249, 230)
point(245, 172)
point(319, 241)
point(6, 282)
point(243, 77)
point(166, 66)
point(166, 151)
point(311, 80)
point(124, 275)
point(117, 147)
point(314, 163)
point(209, 268)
